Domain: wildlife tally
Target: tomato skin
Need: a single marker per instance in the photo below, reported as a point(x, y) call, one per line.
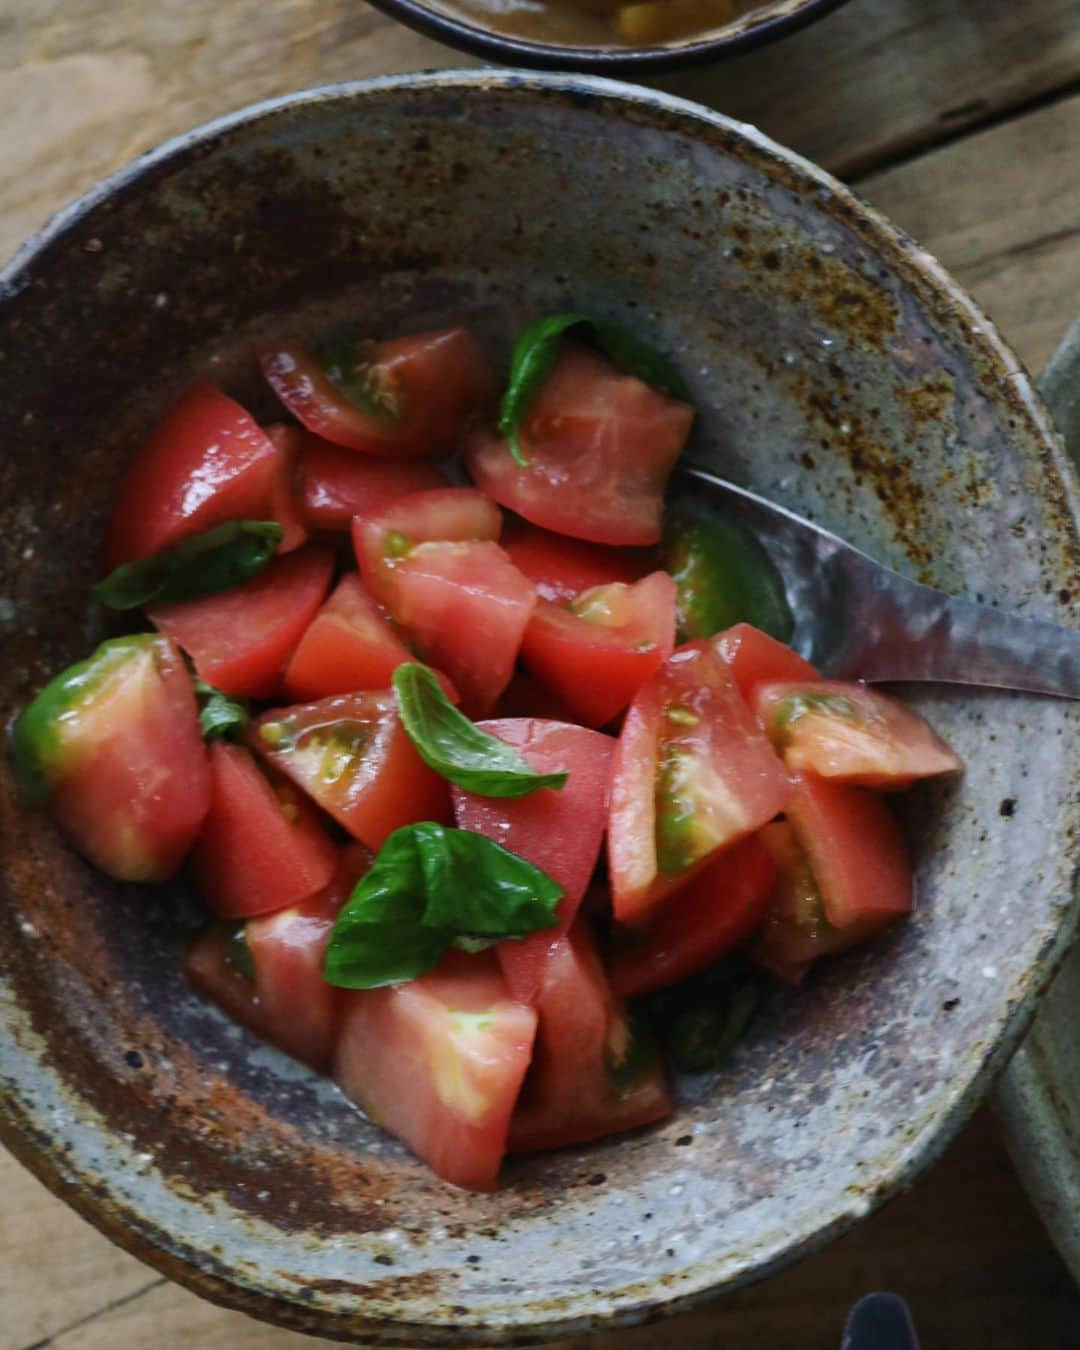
point(206, 462)
point(707, 918)
point(241, 638)
point(285, 491)
point(558, 831)
point(438, 379)
point(466, 607)
point(417, 1059)
point(352, 756)
point(456, 514)
point(795, 931)
point(755, 658)
point(850, 733)
point(600, 446)
point(349, 646)
point(561, 568)
point(693, 774)
point(855, 849)
point(286, 1001)
point(584, 1042)
point(337, 484)
point(596, 667)
point(121, 759)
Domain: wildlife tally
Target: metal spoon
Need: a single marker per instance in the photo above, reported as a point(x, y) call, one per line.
point(855, 618)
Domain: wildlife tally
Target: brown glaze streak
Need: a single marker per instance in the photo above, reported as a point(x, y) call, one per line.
point(393, 207)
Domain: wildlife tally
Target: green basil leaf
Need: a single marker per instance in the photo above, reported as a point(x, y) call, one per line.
point(537, 349)
point(428, 887)
point(457, 748)
point(206, 563)
point(352, 369)
point(220, 717)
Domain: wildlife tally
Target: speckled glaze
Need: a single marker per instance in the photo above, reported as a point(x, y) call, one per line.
point(839, 370)
point(765, 23)
point(1038, 1095)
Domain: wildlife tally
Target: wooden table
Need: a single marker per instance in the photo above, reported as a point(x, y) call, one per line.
point(961, 119)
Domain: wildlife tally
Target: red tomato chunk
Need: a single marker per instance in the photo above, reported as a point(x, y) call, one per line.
point(423, 390)
point(754, 657)
point(600, 446)
point(561, 567)
point(439, 1062)
point(337, 484)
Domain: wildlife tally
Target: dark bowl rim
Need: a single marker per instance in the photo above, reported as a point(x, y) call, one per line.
point(614, 60)
point(210, 1279)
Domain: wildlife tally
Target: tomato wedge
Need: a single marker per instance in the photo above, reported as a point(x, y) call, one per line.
point(382, 539)
point(412, 396)
point(351, 754)
point(337, 484)
point(693, 774)
point(850, 733)
point(267, 973)
point(113, 745)
point(561, 568)
point(558, 831)
point(596, 654)
point(710, 916)
point(600, 446)
point(754, 658)
point(795, 931)
point(241, 638)
point(349, 646)
point(439, 1062)
point(592, 1074)
point(262, 846)
point(206, 462)
point(855, 848)
point(466, 607)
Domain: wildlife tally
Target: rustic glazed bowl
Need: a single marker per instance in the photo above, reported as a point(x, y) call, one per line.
point(837, 369)
point(768, 21)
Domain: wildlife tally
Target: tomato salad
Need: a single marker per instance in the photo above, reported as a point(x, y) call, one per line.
point(500, 798)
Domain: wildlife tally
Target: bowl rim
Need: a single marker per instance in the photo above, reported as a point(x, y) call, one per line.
point(679, 53)
point(212, 1280)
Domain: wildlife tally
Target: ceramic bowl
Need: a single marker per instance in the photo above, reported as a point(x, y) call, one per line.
point(837, 369)
point(767, 22)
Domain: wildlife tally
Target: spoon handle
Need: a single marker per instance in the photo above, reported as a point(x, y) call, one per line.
point(913, 632)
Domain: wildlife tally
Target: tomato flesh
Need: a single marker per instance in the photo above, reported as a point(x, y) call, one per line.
point(855, 848)
point(121, 758)
point(466, 607)
point(558, 831)
point(439, 1062)
point(561, 568)
point(206, 462)
point(755, 658)
point(241, 638)
point(710, 916)
point(262, 846)
point(424, 387)
point(850, 733)
point(598, 653)
point(284, 998)
point(349, 646)
point(382, 539)
point(351, 754)
point(592, 1075)
point(337, 484)
point(795, 931)
point(693, 774)
point(600, 446)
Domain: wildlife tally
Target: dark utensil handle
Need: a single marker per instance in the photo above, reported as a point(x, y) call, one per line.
point(880, 1322)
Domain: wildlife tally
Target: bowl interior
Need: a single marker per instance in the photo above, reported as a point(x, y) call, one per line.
point(836, 371)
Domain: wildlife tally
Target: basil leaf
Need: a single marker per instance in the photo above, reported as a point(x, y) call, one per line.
point(428, 887)
point(206, 563)
point(220, 717)
point(351, 367)
point(457, 748)
point(537, 349)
